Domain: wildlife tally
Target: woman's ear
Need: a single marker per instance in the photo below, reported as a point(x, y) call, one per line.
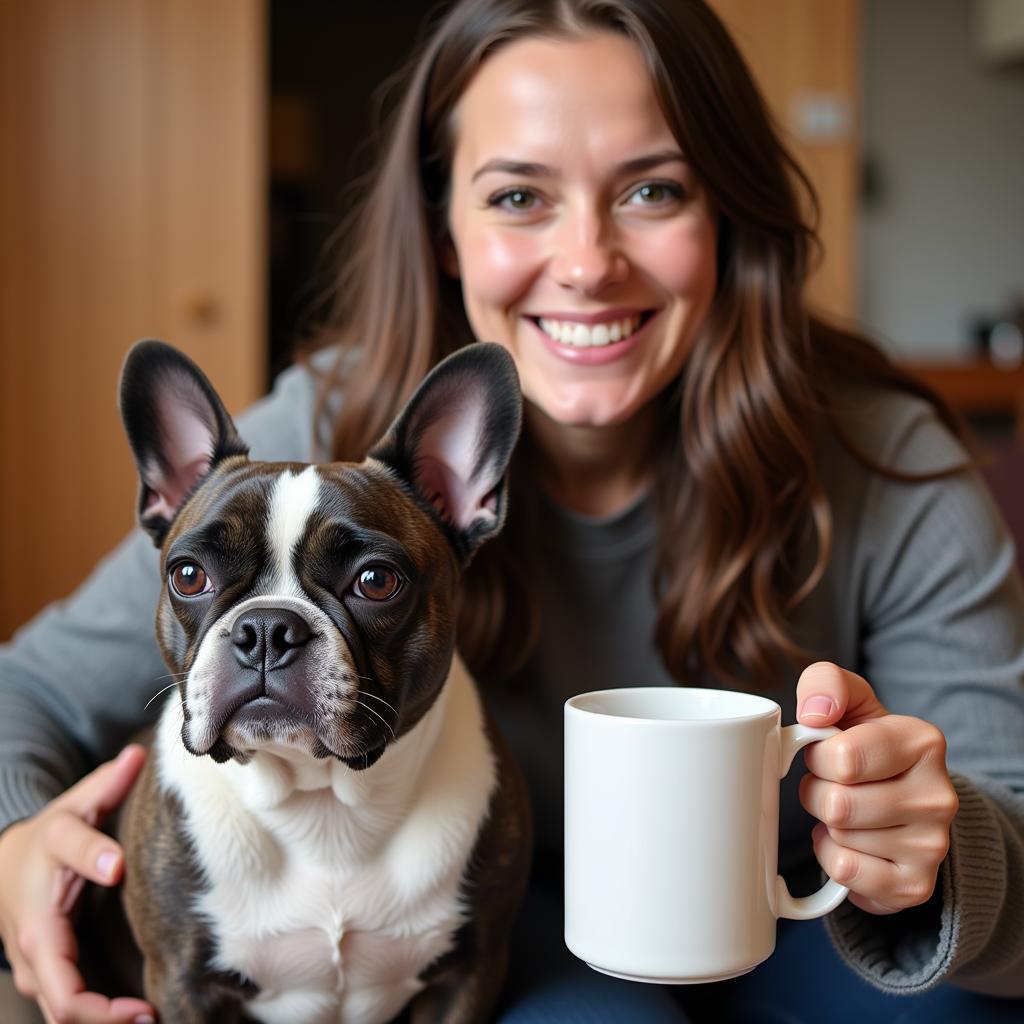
point(448, 256)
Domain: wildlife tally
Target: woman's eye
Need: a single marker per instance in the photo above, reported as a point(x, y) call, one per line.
point(655, 193)
point(518, 200)
point(190, 580)
point(378, 583)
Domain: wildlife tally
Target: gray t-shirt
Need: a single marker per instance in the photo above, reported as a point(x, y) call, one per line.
point(920, 596)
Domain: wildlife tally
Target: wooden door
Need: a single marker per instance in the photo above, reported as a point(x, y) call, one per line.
point(132, 199)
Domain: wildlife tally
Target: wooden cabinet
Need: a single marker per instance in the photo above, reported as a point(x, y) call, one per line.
point(132, 199)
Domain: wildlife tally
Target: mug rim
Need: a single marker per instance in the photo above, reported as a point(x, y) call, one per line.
point(772, 707)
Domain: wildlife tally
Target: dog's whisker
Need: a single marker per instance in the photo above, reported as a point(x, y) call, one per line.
point(391, 707)
point(170, 686)
point(381, 717)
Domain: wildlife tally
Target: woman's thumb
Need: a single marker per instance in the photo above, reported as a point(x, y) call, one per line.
point(98, 793)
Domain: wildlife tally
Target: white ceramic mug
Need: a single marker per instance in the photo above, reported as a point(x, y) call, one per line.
point(671, 832)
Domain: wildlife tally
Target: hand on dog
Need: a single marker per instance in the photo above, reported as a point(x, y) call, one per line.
point(880, 790)
point(45, 861)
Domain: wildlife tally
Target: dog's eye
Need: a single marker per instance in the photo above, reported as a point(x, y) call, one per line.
point(378, 583)
point(189, 580)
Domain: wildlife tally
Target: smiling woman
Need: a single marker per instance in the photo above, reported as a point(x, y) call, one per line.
point(597, 186)
point(583, 240)
point(556, 171)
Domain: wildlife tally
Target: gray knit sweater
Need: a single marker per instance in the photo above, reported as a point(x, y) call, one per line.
point(920, 597)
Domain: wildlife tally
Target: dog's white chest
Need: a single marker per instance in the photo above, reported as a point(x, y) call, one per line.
point(333, 900)
point(332, 944)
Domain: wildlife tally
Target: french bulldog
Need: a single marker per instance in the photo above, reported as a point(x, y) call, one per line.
point(329, 827)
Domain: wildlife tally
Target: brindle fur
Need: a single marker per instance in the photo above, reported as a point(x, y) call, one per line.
point(161, 884)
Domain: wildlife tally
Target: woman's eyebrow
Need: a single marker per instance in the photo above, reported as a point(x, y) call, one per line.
point(519, 168)
point(650, 161)
point(529, 169)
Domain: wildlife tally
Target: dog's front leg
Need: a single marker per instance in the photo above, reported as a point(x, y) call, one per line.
point(178, 1000)
point(165, 990)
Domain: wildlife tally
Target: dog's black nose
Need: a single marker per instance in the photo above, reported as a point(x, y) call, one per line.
point(268, 638)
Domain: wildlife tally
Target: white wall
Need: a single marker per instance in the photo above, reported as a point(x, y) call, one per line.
point(943, 239)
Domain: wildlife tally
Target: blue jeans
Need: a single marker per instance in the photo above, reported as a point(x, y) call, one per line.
point(804, 982)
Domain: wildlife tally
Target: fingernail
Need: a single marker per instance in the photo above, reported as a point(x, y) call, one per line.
point(125, 753)
point(817, 707)
point(144, 1018)
point(106, 862)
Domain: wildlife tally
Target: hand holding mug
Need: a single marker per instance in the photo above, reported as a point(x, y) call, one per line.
point(880, 789)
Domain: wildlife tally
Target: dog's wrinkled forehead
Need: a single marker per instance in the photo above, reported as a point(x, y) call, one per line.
point(268, 513)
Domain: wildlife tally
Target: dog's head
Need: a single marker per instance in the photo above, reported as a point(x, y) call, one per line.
point(314, 605)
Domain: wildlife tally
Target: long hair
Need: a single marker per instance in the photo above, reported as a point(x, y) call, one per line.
point(736, 485)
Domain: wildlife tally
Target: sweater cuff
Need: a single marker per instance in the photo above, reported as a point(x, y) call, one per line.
point(23, 791)
point(913, 951)
point(978, 873)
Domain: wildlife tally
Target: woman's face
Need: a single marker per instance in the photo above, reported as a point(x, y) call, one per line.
point(583, 241)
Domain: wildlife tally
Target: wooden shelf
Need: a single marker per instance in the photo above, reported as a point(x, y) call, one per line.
point(976, 387)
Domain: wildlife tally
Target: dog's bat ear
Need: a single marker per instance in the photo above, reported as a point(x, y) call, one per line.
point(453, 441)
point(177, 427)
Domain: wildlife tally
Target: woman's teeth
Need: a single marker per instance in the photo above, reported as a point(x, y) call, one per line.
point(569, 332)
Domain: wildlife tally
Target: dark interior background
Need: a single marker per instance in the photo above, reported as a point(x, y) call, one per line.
point(328, 60)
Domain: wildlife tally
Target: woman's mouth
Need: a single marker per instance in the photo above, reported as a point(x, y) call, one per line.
point(593, 340)
point(592, 335)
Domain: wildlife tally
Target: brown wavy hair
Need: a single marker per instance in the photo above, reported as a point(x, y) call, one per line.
point(736, 485)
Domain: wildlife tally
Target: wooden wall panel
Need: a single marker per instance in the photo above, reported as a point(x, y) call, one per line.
point(808, 51)
point(132, 199)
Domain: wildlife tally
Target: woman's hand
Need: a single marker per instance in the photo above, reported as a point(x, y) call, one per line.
point(45, 861)
point(880, 789)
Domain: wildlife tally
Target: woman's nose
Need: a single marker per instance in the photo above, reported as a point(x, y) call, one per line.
point(587, 255)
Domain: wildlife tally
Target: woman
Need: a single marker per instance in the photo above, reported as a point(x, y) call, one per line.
point(713, 489)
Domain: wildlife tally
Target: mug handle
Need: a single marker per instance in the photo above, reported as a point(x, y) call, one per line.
point(831, 894)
